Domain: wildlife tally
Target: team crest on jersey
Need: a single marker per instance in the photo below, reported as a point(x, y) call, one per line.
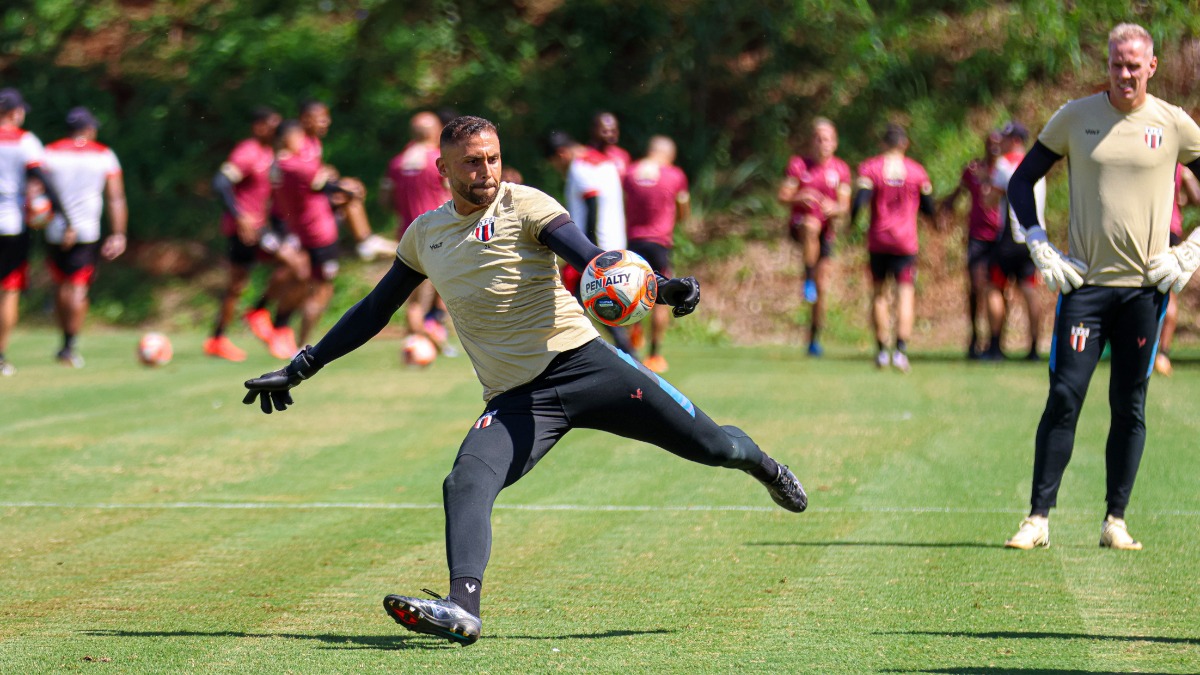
point(486, 229)
point(1079, 336)
point(1154, 137)
point(485, 420)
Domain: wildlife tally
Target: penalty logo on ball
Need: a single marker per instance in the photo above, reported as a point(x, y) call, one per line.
point(618, 288)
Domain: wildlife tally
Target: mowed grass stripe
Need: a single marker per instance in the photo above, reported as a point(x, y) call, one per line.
point(298, 526)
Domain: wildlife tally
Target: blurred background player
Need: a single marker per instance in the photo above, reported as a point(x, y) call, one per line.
point(412, 186)
point(1010, 257)
point(1187, 191)
point(895, 187)
point(983, 225)
point(603, 135)
point(595, 201)
point(817, 187)
point(243, 185)
point(87, 175)
point(21, 159)
point(656, 198)
point(301, 187)
point(346, 195)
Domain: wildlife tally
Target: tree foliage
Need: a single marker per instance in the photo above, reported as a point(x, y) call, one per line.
point(733, 82)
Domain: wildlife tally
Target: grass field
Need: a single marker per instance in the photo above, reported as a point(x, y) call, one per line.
point(152, 523)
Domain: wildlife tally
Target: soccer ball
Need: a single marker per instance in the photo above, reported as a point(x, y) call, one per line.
point(618, 288)
point(418, 350)
point(38, 212)
point(154, 349)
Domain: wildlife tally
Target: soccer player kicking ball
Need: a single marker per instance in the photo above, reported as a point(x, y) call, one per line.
point(1122, 145)
point(490, 252)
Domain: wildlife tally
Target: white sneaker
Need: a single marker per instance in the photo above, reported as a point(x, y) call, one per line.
point(900, 361)
point(7, 369)
point(1114, 534)
point(1034, 532)
point(882, 360)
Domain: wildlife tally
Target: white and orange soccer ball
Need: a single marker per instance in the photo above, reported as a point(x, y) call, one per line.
point(154, 349)
point(38, 211)
point(418, 350)
point(618, 288)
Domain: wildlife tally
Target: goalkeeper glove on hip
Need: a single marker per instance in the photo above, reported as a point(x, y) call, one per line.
point(1060, 272)
point(1171, 271)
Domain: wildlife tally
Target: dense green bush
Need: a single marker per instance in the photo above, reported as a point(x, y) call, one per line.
point(733, 82)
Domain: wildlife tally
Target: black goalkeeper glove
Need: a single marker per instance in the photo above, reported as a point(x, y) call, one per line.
point(274, 388)
point(683, 294)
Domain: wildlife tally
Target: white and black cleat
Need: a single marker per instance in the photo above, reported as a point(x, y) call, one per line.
point(786, 490)
point(440, 617)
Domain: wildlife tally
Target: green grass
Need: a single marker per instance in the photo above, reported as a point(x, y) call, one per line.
point(125, 562)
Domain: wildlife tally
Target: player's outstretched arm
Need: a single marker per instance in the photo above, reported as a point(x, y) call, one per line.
point(360, 323)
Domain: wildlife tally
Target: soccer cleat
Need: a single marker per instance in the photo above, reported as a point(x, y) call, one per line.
point(440, 617)
point(1114, 534)
point(283, 343)
point(882, 360)
point(69, 358)
point(1034, 532)
point(260, 324)
point(7, 369)
point(810, 291)
point(815, 349)
point(223, 348)
point(786, 490)
point(900, 361)
point(656, 363)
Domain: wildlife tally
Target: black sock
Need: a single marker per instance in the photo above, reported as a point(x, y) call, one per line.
point(68, 342)
point(808, 273)
point(1044, 513)
point(281, 319)
point(901, 346)
point(465, 592)
point(1117, 512)
point(262, 303)
point(219, 331)
point(767, 469)
point(879, 346)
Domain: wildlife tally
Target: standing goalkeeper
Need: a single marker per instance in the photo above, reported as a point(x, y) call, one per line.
point(490, 253)
point(1122, 145)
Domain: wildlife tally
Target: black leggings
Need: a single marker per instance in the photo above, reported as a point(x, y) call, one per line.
point(592, 387)
point(1129, 320)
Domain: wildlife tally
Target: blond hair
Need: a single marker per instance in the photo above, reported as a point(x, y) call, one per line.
point(1127, 32)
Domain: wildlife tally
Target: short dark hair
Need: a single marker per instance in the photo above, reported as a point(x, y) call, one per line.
point(894, 136)
point(262, 113)
point(466, 127)
point(284, 128)
point(557, 140)
point(308, 104)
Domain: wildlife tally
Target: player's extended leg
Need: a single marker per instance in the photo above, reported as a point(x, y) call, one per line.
point(71, 305)
point(1135, 324)
point(612, 392)
point(1078, 342)
point(516, 430)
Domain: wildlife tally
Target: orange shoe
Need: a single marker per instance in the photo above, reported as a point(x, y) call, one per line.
point(259, 321)
point(637, 337)
point(223, 348)
point(656, 363)
point(283, 344)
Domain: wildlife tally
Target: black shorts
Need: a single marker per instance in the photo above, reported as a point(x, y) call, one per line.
point(324, 261)
point(14, 253)
point(270, 239)
point(1013, 264)
point(240, 254)
point(796, 230)
point(76, 265)
point(979, 252)
point(657, 255)
point(902, 268)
